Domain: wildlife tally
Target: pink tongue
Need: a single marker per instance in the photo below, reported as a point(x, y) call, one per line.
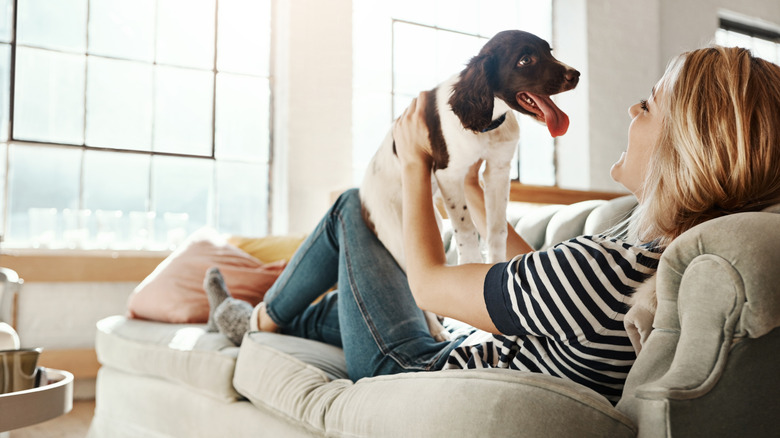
point(557, 121)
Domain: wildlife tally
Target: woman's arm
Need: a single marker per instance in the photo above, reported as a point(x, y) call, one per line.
point(475, 199)
point(454, 291)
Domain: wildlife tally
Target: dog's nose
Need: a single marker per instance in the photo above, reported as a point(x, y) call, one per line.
point(572, 77)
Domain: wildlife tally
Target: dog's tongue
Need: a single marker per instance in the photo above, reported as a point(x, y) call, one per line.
point(557, 121)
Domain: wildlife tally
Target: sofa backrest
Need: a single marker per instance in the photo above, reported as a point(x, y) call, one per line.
point(546, 225)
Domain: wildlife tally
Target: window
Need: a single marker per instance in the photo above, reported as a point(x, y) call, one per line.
point(131, 123)
point(763, 42)
point(404, 47)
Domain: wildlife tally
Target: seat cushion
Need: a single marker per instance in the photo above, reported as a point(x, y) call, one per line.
point(493, 402)
point(181, 353)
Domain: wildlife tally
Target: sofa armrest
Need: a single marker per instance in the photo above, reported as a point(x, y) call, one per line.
point(718, 291)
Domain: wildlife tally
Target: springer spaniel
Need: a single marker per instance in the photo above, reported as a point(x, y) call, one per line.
point(468, 119)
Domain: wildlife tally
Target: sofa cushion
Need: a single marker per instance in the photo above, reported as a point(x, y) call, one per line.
point(181, 353)
point(609, 214)
point(493, 402)
point(532, 226)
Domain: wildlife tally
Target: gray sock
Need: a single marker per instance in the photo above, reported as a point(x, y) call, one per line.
point(216, 291)
point(232, 319)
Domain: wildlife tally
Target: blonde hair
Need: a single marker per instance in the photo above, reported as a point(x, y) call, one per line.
point(719, 148)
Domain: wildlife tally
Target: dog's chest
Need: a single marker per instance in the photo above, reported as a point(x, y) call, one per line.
point(464, 147)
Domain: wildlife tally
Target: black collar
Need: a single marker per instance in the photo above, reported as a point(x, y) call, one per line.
point(495, 123)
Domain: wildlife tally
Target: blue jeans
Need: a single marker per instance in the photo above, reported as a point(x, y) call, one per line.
point(372, 314)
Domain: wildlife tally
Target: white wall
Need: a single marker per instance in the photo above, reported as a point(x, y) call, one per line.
point(621, 48)
point(617, 48)
point(312, 87)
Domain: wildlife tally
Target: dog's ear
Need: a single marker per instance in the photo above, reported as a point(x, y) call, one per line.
point(472, 96)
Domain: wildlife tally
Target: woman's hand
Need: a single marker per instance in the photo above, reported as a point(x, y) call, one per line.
point(472, 177)
point(410, 134)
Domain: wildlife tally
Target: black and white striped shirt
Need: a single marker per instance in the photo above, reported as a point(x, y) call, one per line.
point(561, 312)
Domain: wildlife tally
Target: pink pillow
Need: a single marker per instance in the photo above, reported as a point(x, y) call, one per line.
point(174, 291)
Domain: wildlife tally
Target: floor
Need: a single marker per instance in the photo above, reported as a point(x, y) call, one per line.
point(74, 424)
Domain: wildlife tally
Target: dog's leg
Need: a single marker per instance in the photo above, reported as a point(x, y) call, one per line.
point(496, 177)
point(450, 183)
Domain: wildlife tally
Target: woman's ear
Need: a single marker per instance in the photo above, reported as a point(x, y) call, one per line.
point(472, 96)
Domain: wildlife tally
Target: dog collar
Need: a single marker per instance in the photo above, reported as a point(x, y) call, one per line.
point(495, 123)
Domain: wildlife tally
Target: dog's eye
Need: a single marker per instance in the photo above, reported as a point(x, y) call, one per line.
point(524, 61)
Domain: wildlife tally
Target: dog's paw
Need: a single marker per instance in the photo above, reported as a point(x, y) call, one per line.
point(435, 327)
point(645, 296)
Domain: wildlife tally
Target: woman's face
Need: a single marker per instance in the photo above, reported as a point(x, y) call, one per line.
point(643, 133)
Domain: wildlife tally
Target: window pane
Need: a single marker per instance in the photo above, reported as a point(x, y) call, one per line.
point(122, 28)
point(536, 17)
point(40, 178)
point(458, 15)
point(721, 37)
point(243, 198)
point(57, 24)
point(491, 23)
point(186, 39)
point(737, 39)
point(49, 104)
point(183, 111)
point(765, 49)
point(537, 152)
point(400, 102)
point(182, 191)
point(119, 104)
point(116, 189)
point(244, 36)
point(454, 50)
point(116, 181)
point(414, 69)
point(242, 117)
point(5, 89)
point(6, 20)
point(369, 128)
point(414, 10)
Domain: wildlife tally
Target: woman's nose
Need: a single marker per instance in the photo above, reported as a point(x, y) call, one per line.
point(633, 110)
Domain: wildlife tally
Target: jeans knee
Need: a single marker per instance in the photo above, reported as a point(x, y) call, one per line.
point(348, 201)
point(349, 196)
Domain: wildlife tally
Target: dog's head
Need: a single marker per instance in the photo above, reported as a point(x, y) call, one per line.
point(517, 67)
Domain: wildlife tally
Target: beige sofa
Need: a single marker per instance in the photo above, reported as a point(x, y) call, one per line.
point(708, 369)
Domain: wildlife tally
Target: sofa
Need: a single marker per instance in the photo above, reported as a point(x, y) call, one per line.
point(709, 367)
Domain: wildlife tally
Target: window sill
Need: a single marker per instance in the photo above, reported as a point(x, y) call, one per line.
point(72, 265)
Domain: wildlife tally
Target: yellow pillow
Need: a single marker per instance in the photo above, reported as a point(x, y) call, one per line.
point(269, 249)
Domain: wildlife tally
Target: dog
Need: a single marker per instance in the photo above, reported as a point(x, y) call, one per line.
point(469, 118)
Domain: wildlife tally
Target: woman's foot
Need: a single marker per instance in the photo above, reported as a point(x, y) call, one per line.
point(232, 319)
point(227, 315)
point(216, 292)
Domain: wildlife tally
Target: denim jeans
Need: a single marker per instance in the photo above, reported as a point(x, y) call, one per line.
point(371, 315)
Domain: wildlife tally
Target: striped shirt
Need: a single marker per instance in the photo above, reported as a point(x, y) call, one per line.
point(561, 313)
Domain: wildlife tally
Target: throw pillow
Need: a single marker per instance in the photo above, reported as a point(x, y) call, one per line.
point(174, 291)
point(269, 249)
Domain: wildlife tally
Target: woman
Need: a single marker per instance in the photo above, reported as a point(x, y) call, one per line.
point(704, 144)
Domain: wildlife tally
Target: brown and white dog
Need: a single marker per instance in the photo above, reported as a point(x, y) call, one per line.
point(468, 119)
